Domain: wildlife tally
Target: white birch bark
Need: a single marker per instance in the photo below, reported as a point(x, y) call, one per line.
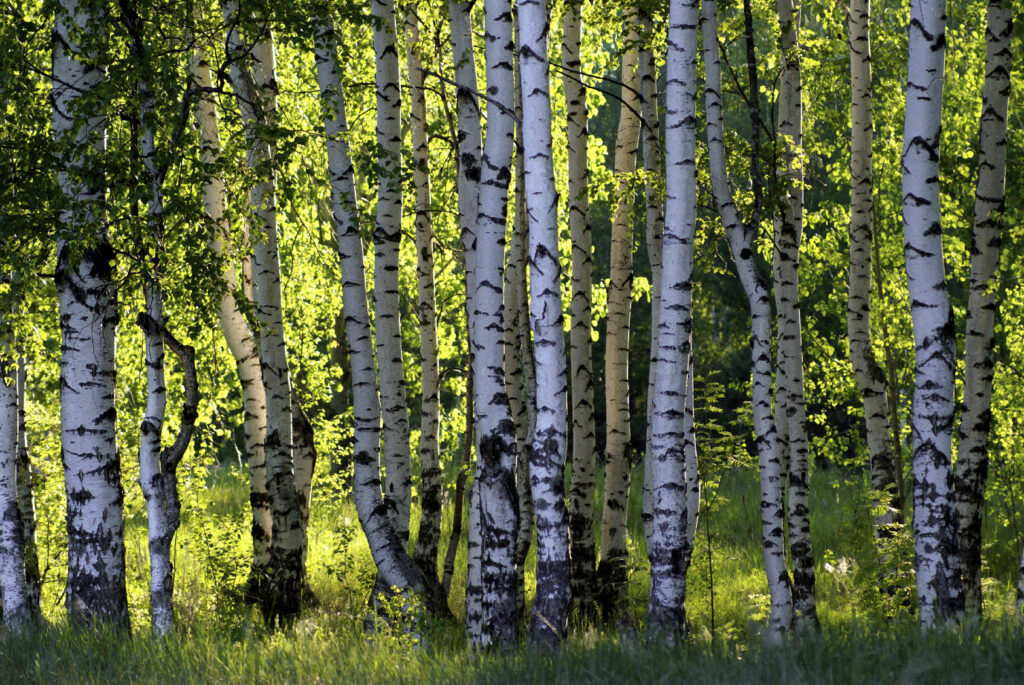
point(788, 230)
point(233, 325)
point(547, 455)
point(867, 372)
point(740, 237)
point(431, 485)
point(581, 488)
point(26, 497)
point(87, 296)
point(13, 583)
point(394, 566)
point(669, 552)
point(976, 414)
point(938, 567)
point(387, 237)
point(256, 93)
point(611, 572)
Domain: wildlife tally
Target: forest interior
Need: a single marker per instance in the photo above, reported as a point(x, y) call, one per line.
point(511, 340)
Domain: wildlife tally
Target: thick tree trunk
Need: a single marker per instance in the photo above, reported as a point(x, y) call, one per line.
point(235, 328)
point(976, 414)
point(669, 552)
point(938, 566)
point(788, 230)
point(26, 497)
point(431, 484)
point(548, 623)
point(740, 237)
point(394, 566)
point(581, 488)
point(611, 572)
point(17, 608)
point(387, 236)
point(866, 370)
point(87, 296)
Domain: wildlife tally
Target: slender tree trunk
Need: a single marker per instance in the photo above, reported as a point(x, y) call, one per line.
point(741, 244)
point(581, 488)
point(17, 608)
point(976, 414)
point(305, 454)
point(548, 451)
point(654, 221)
point(387, 236)
point(611, 572)
point(866, 370)
point(938, 566)
point(257, 97)
point(237, 333)
point(26, 497)
point(669, 552)
point(788, 230)
point(87, 296)
point(394, 566)
point(431, 484)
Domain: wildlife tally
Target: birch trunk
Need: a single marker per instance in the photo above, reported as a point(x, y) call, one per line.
point(788, 231)
point(394, 567)
point(976, 414)
point(17, 609)
point(87, 296)
point(581, 488)
point(867, 372)
point(387, 236)
point(237, 333)
point(741, 244)
point(938, 566)
point(431, 486)
point(548, 623)
point(669, 552)
point(26, 497)
point(257, 97)
point(611, 572)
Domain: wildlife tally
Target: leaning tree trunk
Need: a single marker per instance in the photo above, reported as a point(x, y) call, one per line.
point(581, 488)
point(394, 567)
point(87, 297)
point(669, 551)
point(257, 100)
point(387, 236)
point(547, 454)
point(788, 230)
point(741, 244)
point(431, 485)
point(17, 609)
point(654, 222)
point(26, 497)
point(866, 370)
point(494, 486)
point(235, 328)
point(937, 563)
point(976, 414)
point(611, 572)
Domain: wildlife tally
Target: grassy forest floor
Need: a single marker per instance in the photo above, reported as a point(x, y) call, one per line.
point(868, 636)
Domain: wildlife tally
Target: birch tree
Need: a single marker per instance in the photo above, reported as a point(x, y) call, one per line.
point(669, 551)
point(387, 237)
point(87, 296)
point(614, 554)
point(14, 590)
point(976, 414)
point(740, 237)
point(26, 496)
point(936, 561)
point(786, 269)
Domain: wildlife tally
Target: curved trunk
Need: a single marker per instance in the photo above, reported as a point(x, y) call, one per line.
point(937, 564)
point(387, 236)
point(431, 484)
point(740, 237)
point(612, 570)
point(87, 296)
point(976, 414)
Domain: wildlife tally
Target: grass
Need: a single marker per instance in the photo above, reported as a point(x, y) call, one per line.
point(867, 636)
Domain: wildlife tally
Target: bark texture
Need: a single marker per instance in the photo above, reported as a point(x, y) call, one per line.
point(26, 497)
point(13, 583)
